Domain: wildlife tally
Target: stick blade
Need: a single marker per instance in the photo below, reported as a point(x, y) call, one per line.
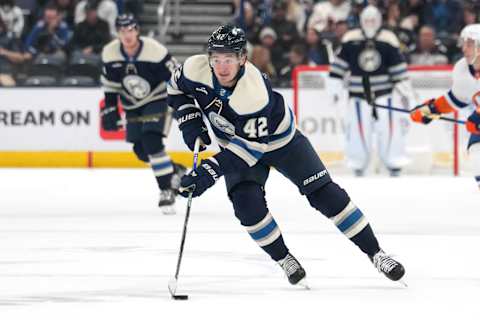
point(180, 297)
point(172, 286)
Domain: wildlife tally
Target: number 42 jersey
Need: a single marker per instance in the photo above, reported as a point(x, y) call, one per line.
point(247, 120)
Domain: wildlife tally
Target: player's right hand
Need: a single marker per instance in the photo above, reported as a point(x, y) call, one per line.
point(110, 118)
point(425, 112)
point(192, 127)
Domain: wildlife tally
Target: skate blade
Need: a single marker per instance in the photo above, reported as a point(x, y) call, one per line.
point(303, 284)
point(168, 210)
point(401, 281)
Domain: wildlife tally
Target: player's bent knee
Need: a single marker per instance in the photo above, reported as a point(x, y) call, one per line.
point(140, 152)
point(152, 142)
point(249, 203)
point(329, 199)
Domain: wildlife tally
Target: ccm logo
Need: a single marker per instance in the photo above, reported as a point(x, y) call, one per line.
point(315, 177)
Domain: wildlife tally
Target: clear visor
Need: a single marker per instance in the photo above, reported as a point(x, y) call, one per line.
point(227, 60)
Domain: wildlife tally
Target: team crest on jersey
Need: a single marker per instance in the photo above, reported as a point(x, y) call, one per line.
point(136, 86)
point(369, 60)
point(221, 123)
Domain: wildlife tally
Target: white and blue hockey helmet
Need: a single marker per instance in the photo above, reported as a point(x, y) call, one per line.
point(370, 21)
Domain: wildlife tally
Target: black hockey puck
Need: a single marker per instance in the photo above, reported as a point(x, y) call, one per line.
point(180, 297)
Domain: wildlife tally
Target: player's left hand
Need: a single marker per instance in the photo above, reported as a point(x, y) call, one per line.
point(473, 122)
point(425, 112)
point(200, 179)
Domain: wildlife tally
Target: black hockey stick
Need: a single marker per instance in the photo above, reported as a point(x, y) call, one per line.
point(172, 284)
point(370, 98)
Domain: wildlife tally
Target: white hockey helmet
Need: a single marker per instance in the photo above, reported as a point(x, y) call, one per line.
point(370, 21)
point(471, 31)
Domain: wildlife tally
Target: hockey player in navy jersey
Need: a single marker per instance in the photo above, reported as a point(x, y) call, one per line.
point(256, 130)
point(374, 51)
point(136, 70)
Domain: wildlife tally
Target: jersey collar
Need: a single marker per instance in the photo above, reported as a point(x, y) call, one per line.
point(135, 56)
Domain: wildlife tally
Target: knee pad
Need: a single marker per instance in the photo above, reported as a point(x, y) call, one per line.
point(249, 203)
point(140, 152)
point(329, 199)
point(152, 142)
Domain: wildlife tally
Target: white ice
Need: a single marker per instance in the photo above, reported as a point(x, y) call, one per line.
point(91, 244)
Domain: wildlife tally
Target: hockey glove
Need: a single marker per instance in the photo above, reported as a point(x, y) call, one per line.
point(473, 122)
point(201, 178)
point(110, 118)
point(425, 113)
point(192, 126)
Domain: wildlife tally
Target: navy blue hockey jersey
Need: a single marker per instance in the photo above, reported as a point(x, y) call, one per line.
point(380, 58)
point(247, 121)
point(138, 80)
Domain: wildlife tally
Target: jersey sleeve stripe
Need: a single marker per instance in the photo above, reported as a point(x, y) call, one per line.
point(242, 154)
point(455, 101)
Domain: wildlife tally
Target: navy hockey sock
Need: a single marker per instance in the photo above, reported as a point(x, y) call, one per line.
point(159, 160)
point(333, 202)
point(251, 209)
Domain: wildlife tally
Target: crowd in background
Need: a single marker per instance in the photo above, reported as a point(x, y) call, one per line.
point(69, 34)
point(281, 33)
point(287, 33)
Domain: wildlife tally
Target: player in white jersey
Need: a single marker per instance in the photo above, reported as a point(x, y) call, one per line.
point(464, 93)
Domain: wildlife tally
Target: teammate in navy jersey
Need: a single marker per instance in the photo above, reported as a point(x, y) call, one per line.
point(374, 51)
point(136, 70)
point(256, 130)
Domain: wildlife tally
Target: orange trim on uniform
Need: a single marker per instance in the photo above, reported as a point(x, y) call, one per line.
point(442, 105)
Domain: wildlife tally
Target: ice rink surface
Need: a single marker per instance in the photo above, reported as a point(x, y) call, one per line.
point(91, 244)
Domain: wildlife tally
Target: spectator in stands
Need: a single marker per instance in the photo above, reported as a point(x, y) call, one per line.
point(134, 7)
point(317, 51)
point(49, 37)
point(286, 30)
point(470, 16)
point(67, 9)
point(446, 15)
point(248, 21)
point(296, 57)
point(341, 27)
point(12, 17)
point(106, 10)
point(29, 10)
point(415, 13)
point(261, 58)
point(296, 13)
point(10, 55)
point(429, 51)
point(268, 39)
point(392, 21)
point(328, 12)
point(90, 35)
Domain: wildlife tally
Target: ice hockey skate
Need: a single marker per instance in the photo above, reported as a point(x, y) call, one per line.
point(293, 270)
point(385, 264)
point(167, 201)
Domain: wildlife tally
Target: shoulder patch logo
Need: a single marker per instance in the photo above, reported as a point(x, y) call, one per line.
point(202, 90)
point(221, 123)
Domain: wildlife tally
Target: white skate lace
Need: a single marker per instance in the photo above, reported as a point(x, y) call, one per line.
point(165, 194)
point(383, 262)
point(290, 265)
